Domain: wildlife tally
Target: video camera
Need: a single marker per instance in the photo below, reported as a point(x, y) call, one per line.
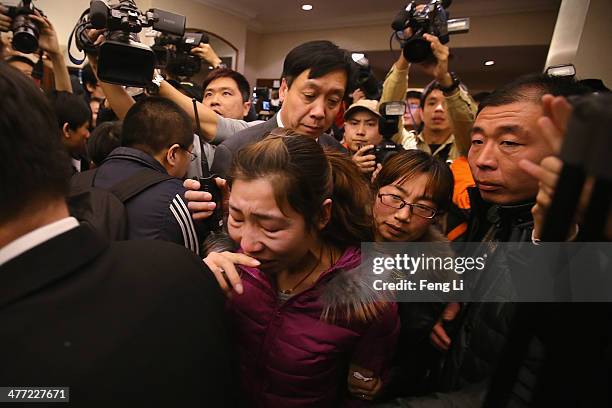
point(365, 79)
point(25, 32)
point(432, 19)
point(122, 59)
point(173, 53)
point(387, 126)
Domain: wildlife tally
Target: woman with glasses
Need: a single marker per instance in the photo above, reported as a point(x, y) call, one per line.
point(412, 191)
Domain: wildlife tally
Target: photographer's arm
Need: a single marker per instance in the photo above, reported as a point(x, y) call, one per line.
point(395, 86)
point(48, 43)
point(208, 118)
point(118, 98)
point(396, 82)
point(461, 107)
point(462, 112)
point(208, 54)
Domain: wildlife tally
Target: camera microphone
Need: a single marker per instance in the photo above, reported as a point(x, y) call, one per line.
point(98, 12)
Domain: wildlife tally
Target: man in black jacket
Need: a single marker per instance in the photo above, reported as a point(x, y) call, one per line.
point(505, 132)
point(315, 79)
point(136, 323)
point(156, 135)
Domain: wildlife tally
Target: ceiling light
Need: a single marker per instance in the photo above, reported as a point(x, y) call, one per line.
point(489, 63)
point(306, 7)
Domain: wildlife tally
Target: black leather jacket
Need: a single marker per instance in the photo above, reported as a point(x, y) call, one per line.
point(483, 327)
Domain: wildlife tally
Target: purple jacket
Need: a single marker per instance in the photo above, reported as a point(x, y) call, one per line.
point(290, 357)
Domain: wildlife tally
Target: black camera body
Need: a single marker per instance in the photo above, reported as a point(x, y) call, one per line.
point(385, 150)
point(430, 19)
point(25, 32)
point(388, 126)
point(364, 77)
point(122, 59)
point(367, 82)
point(174, 53)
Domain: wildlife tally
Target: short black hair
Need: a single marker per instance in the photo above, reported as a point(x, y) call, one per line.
point(241, 81)
point(35, 166)
point(480, 96)
point(154, 123)
point(413, 94)
point(320, 57)
point(70, 108)
point(103, 139)
point(531, 88)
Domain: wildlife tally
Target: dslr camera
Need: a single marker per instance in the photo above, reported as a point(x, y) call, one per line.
point(387, 126)
point(432, 18)
point(25, 32)
point(122, 59)
point(173, 53)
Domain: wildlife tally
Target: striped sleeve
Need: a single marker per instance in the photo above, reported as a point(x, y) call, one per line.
point(183, 219)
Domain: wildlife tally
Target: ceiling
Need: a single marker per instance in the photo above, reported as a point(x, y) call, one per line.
point(267, 16)
point(272, 16)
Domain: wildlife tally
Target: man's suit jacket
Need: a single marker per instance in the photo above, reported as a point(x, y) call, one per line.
point(135, 323)
point(226, 150)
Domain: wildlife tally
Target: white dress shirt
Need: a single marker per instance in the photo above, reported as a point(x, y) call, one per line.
point(36, 237)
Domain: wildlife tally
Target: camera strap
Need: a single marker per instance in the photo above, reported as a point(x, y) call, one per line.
point(198, 131)
point(78, 30)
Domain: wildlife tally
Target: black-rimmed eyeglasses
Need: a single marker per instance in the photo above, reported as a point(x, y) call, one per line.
point(393, 201)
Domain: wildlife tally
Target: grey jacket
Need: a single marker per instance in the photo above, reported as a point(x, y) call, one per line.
point(226, 150)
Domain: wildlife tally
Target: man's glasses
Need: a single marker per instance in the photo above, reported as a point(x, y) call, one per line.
point(393, 201)
point(192, 156)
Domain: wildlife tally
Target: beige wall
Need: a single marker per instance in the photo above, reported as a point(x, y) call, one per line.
point(64, 14)
point(508, 29)
point(253, 42)
point(594, 59)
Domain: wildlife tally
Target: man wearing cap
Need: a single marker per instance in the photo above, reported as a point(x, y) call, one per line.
point(361, 133)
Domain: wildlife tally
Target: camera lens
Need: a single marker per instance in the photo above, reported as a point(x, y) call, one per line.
point(417, 50)
point(25, 35)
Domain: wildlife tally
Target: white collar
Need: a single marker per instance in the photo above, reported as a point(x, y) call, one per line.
point(279, 122)
point(36, 237)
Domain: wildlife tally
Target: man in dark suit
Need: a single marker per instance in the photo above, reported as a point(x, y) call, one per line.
point(136, 323)
point(315, 79)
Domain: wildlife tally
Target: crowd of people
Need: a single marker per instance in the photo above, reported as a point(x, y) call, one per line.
point(117, 285)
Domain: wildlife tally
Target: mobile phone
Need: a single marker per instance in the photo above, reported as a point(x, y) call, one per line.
point(214, 223)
